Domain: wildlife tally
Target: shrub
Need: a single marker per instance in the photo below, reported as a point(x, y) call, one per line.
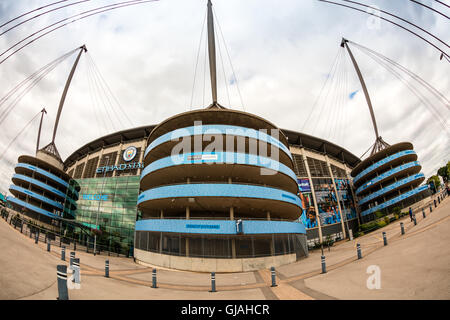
point(379, 214)
point(381, 224)
point(387, 220)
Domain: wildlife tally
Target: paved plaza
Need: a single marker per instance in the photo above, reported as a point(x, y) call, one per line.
point(412, 266)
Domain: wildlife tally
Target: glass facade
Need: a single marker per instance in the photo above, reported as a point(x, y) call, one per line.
point(109, 205)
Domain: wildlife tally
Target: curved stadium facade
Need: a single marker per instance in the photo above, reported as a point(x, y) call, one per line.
point(389, 178)
point(112, 171)
point(42, 190)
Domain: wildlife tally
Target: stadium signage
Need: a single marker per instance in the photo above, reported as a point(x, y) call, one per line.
point(129, 153)
point(98, 197)
point(122, 167)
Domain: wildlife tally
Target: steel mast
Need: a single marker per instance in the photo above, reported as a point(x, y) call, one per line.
point(212, 56)
point(40, 127)
point(379, 142)
point(51, 147)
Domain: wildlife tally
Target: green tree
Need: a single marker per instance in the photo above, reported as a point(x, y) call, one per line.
point(444, 172)
point(435, 181)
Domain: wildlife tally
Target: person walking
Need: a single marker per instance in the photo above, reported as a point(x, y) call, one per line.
point(410, 214)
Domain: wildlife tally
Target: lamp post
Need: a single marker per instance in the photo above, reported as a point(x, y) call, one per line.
point(99, 201)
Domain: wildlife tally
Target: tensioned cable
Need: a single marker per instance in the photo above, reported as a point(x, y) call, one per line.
point(105, 85)
point(92, 99)
point(433, 90)
point(29, 86)
point(21, 131)
point(333, 106)
point(442, 3)
point(328, 92)
point(34, 75)
point(34, 10)
point(204, 70)
point(196, 63)
point(108, 8)
point(320, 93)
point(40, 14)
point(428, 7)
point(229, 59)
point(223, 67)
point(400, 18)
point(398, 25)
point(97, 91)
point(417, 93)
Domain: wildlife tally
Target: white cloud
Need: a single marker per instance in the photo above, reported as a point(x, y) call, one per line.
point(281, 52)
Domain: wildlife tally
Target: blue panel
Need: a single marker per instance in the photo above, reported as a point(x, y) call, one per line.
point(395, 200)
point(43, 172)
point(48, 175)
point(391, 187)
point(219, 157)
point(387, 174)
point(219, 190)
point(37, 196)
point(218, 226)
point(215, 130)
point(381, 162)
point(39, 183)
point(33, 208)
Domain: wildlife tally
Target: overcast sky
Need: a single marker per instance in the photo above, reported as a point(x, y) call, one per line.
point(281, 52)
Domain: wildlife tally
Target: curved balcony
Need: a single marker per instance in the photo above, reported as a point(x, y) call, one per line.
point(41, 185)
point(15, 189)
point(224, 130)
point(241, 167)
point(32, 208)
point(395, 200)
point(219, 197)
point(411, 167)
point(395, 159)
point(225, 227)
point(411, 180)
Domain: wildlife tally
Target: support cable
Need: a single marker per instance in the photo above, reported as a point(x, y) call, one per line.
point(34, 10)
point(400, 18)
point(229, 59)
point(432, 9)
point(97, 11)
point(20, 132)
point(321, 90)
point(40, 14)
point(196, 63)
point(394, 23)
point(433, 90)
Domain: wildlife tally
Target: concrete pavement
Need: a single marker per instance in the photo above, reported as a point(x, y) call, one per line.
point(413, 266)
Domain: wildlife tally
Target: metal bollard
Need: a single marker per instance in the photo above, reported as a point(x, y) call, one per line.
point(48, 245)
point(439, 199)
point(435, 205)
point(213, 282)
point(350, 234)
point(76, 270)
point(384, 238)
point(402, 227)
point(431, 208)
point(36, 238)
point(358, 250)
point(61, 273)
point(324, 266)
point(415, 221)
point(154, 278)
point(274, 279)
point(72, 256)
point(45, 239)
point(21, 227)
point(63, 253)
point(423, 213)
point(107, 268)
